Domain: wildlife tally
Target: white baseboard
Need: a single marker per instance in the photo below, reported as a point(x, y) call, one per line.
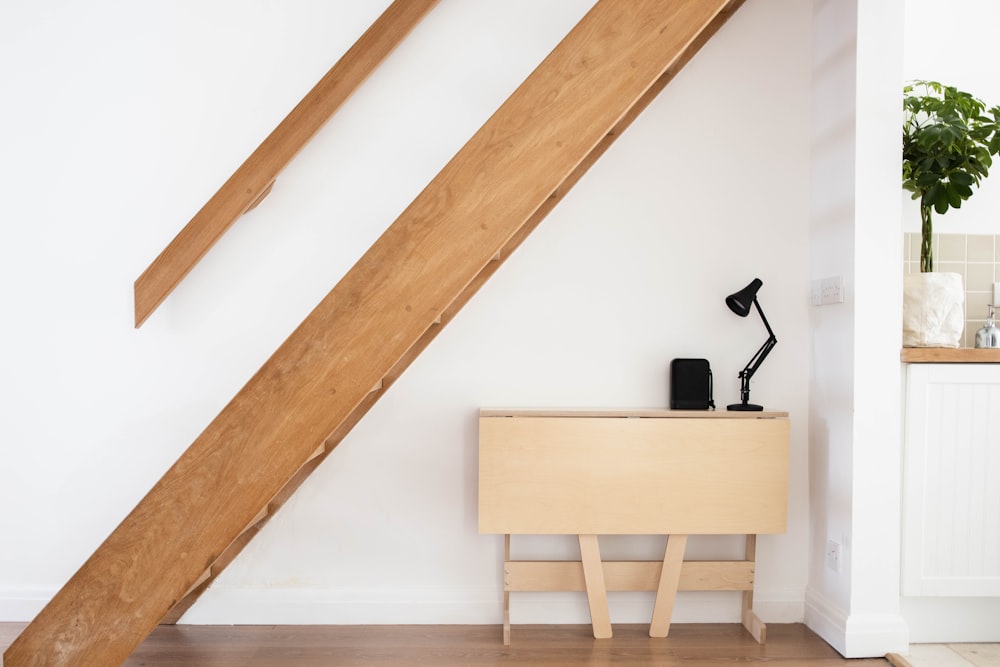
point(420, 605)
point(780, 605)
point(827, 620)
point(22, 605)
point(430, 605)
point(312, 606)
point(855, 635)
point(875, 635)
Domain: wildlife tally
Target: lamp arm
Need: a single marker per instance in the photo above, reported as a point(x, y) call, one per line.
point(757, 358)
point(764, 320)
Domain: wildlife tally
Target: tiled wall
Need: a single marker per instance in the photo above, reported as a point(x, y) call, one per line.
point(976, 257)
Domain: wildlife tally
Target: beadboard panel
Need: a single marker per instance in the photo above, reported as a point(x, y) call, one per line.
point(951, 504)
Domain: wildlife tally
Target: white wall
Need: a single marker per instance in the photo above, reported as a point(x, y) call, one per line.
point(832, 372)
point(875, 626)
point(122, 119)
point(854, 392)
point(956, 46)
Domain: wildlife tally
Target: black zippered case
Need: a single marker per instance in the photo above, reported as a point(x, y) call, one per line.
point(691, 385)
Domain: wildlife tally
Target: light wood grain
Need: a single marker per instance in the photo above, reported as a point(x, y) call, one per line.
point(756, 627)
point(253, 181)
point(791, 645)
point(949, 355)
point(487, 271)
point(630, 413)
point(506, 592)
point(632, 471)
point(606, 475)
point(317, 384)
point(597, 592)
point(666, 589)
point(627, 575)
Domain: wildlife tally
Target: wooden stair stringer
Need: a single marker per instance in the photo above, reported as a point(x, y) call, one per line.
point(253, 180)
point(496, 261)
point(384, 311)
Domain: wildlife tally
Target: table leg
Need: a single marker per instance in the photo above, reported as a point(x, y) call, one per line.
point(750, 620)
point(666, 591)
point(597, 592)
point(506, 592)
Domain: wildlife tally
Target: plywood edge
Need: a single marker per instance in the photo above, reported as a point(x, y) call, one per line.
point(651, 413)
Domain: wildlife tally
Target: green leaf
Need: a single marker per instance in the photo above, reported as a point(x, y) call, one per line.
point(925, 180)
point(954, 199)
point(964, 191)
point(930, 136)
point(962, 178)
point(949, 138)
point(935, 196)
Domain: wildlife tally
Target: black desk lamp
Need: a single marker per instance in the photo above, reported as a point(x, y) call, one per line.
point(740, 303)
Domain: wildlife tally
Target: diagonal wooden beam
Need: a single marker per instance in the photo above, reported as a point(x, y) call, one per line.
point(497, 260)
point(248, 186)
point(369, 327)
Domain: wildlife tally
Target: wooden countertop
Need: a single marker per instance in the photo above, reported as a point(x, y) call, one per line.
point(949, 355)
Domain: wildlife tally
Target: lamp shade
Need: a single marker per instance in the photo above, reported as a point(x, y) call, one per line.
point(741, 302)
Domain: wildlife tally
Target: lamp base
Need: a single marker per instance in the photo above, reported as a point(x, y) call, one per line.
point(745, 407)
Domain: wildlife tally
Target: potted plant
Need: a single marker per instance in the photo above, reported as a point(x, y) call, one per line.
point(949, 140)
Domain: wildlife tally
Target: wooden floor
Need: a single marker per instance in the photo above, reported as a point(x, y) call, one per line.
point(445, 645)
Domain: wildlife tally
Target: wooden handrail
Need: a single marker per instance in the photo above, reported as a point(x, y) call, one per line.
point(253, 180)
point(369, 328)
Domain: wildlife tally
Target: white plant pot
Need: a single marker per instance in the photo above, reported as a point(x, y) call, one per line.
point(933, 314)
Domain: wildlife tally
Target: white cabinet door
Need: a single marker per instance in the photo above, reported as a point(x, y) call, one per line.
point(951, 480)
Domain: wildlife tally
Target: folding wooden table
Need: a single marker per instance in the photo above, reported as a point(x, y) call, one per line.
point(604, 472)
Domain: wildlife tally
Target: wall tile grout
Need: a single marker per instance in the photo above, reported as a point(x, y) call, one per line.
point(976, 285)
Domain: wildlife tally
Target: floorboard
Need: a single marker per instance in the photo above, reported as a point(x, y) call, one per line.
point(469, 645)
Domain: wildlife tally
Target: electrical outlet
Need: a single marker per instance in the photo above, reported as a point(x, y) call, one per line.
point(823, 291)
point(833, 290)
point(996, 294)
point(833, 555)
